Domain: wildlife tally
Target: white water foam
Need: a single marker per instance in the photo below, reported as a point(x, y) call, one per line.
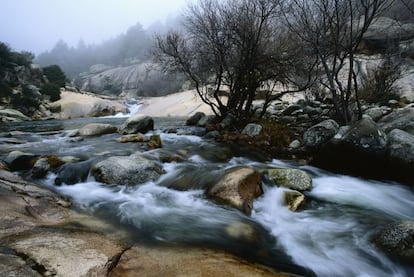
point(330, 243)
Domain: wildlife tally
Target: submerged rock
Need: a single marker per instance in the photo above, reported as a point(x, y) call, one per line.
point(126, 170)
point(137, 123)
point(238, 188)
point(72, 173)
point(291, 178)
point(96, 129)
point(132, 138)
point(154, 142)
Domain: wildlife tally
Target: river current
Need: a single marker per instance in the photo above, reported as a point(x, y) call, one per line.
point(330, 237)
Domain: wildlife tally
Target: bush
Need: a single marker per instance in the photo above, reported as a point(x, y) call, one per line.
point(26, 102)
point(378, 84)
point(55, 75)
point(51, 90)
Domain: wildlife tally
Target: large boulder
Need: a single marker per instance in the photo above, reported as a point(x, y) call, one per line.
point(126, 170)
point(402, 119)
point(72, 173)
point(194, 119)
point(396, 240)
point(206, 120)
point(401, 146)
point(364, 135)
point(238, 188)
point(320, 133)
point(137, 123)
point(359, 150)
point(291, 178)
point(97, 129)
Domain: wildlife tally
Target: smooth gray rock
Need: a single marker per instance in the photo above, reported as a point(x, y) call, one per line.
point(72, 173)
point(375, 113)
point(137, 123)
point(365, 135)
point(206, 120)
point(11, 115)
point(401, 145)
point(320, 133)
point(252, 129)
point(402, 119)
point(126, 170)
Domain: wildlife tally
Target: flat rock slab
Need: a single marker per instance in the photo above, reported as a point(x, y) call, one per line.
point(162, 261)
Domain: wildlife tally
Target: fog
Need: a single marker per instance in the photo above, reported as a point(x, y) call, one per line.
point(36, 25)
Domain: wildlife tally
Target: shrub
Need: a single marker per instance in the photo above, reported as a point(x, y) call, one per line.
point(51, 90)
point(55, 75)
point(378, 84)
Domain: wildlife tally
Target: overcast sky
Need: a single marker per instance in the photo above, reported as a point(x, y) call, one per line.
point(36, 25)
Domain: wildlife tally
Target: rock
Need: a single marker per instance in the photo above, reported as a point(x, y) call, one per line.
point(81, 105)
point(126, 170)
point(62, 255)
point(132, 138)
point(72, 173)
point(40, 168)
point(13, 265)
point(238, 188)
point(320, 133)
point(402, 119)
point(385, 32)
point(3, 166)
point(312, 110)
point(212, 135)
point(97, 129)
point(163, 156)
point(294, 200)
point(295, 144)
point(154, 142)
point(401, 146)
point(207, 120)
point(193, 120)
point(252, 130)
point(375, 113)
point(11, 115)
point(228, 121)
point(393, 104)
point(242, 231)
point(137, 123)
point(365, 135)
point(17, 160)
point(292, 108)
point(396, 240)
point(163, 261)
point(291, 178)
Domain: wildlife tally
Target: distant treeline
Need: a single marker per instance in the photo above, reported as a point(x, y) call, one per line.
point(132, 46)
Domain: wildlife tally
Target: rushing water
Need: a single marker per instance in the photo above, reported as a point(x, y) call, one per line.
point(330, 237)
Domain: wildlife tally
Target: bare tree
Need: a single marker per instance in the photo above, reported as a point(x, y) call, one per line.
point(333, 30)
point(239, 46)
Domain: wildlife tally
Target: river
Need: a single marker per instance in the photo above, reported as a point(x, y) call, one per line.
point(330, 237)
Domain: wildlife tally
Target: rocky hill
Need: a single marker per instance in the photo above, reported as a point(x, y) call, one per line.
point(130, 81)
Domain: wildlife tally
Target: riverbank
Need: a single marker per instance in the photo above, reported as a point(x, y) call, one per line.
point(41, 235)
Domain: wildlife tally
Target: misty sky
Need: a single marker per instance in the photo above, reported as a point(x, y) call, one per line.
point(36, 25)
